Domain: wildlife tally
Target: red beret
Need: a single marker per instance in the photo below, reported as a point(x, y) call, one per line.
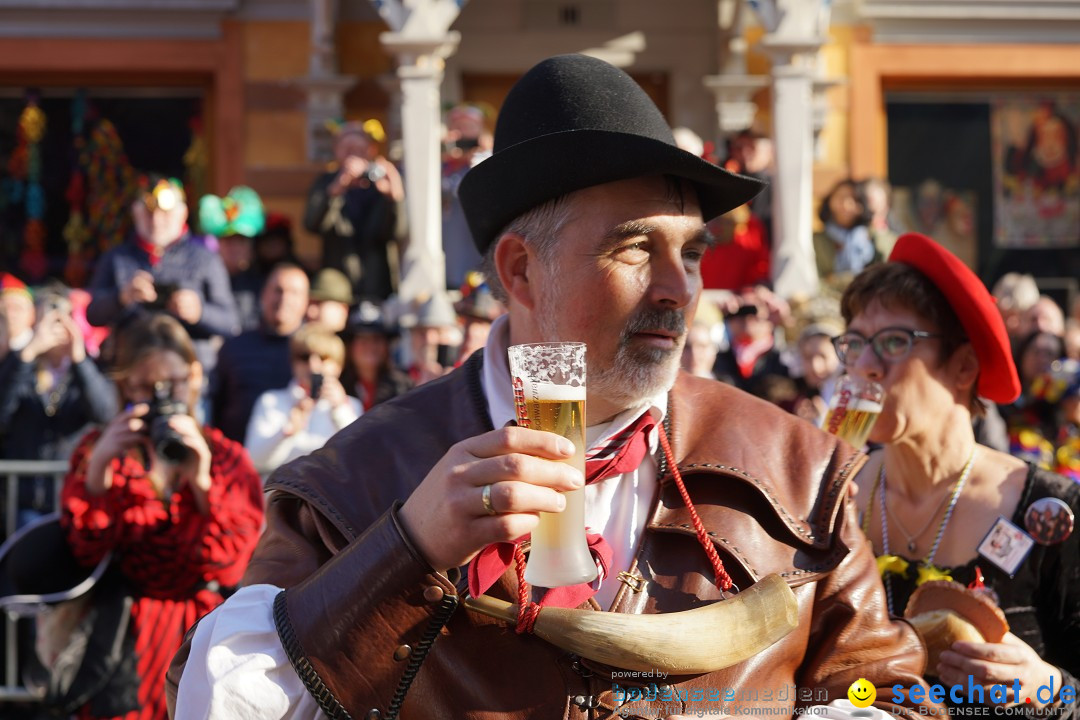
point(975, 307)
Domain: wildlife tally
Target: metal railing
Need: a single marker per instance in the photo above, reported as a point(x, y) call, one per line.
point(11, 471)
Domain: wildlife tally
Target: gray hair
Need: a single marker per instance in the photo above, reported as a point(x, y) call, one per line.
point(540, 227)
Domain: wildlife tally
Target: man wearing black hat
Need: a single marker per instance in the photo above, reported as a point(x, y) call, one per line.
point(592, 223)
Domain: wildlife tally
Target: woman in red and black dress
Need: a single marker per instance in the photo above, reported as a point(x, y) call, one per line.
point(181, 530)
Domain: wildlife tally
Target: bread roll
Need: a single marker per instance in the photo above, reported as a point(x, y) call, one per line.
point(944, 612)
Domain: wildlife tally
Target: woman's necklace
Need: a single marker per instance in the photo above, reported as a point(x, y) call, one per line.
point(912, 537)
point(887, 563)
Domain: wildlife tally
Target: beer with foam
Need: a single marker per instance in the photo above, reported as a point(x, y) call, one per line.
point(560, 552)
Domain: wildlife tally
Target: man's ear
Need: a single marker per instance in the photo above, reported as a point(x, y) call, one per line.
point(512, 258)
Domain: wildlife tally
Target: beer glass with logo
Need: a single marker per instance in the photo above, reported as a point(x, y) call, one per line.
point(549, 394)
point(853, 408)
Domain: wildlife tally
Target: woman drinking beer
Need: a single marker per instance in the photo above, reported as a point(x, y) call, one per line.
point(925, 328)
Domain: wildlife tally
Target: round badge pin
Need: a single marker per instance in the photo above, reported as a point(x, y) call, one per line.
point(1049, 521)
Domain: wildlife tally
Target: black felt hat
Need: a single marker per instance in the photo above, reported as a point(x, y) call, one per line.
point(572, 122)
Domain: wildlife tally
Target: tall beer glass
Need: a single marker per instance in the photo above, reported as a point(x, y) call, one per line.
point(549, 394)
point(853, 409)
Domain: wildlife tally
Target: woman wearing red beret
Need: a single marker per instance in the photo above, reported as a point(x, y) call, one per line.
point(924, 326)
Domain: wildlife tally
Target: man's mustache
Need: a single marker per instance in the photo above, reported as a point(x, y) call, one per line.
point(670, 320)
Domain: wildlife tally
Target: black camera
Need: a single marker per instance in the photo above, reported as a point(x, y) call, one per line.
point(164, 293)
point(167, 442)
point(466, 144)
point(316, 385)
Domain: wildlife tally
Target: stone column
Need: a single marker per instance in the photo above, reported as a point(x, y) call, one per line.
point(325, 87)
point(794, 271)
point(733, 88)
point(420, 65)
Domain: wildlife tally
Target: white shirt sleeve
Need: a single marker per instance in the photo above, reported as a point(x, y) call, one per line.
point(238, 670)
point(265, 439)
point(346, 414)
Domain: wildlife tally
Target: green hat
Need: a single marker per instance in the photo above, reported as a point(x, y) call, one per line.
point(238, 213)
point(332, 285)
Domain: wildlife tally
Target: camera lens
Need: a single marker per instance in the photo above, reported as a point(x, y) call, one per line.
point(168, 443)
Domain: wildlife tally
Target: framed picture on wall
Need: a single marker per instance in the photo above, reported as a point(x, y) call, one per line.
point(943, 213)
point(1036, 166)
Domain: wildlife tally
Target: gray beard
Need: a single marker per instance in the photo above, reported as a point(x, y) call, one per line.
point(637, 373)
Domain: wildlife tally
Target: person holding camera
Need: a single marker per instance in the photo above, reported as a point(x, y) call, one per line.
point(300, 418)
point(162, 268)
point(179, 505)
point(54, 390)
point(466, 143)
point(358, 210)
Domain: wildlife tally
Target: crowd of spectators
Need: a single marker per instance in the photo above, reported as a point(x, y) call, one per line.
point(286, 358)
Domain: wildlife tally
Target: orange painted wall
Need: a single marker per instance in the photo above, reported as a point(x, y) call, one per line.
point(276, 55)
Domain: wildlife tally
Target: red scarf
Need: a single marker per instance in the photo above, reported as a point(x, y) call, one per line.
point(153, 252)
point(621, 453)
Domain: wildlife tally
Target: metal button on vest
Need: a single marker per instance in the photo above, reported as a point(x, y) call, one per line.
point(433, 594)
point(373, 715)
point(402, 652)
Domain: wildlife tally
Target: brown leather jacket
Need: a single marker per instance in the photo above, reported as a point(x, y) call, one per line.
point(363, 608)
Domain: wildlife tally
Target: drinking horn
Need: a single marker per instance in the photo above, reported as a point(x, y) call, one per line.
point(702, 640)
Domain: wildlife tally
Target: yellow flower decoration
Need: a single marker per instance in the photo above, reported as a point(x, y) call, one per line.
point(374, 128)
point(930, 572)
point(891, 564)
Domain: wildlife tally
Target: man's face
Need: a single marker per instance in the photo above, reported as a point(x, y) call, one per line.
point(161, 227)
point(332, 314)
point(625, 279)
point(353, 144)
point(284, 300)
point(818, 359)
point(237, 252)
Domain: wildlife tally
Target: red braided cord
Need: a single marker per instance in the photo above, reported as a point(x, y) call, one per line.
point(527, 610)
point(723, 580)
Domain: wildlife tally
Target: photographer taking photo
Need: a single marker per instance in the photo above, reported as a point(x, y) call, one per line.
point(162, 266)
point(298, 419)
point(181, 527)
point(53, 392)
point(358, 210)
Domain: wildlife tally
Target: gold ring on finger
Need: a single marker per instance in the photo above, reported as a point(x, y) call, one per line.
point(485, 497)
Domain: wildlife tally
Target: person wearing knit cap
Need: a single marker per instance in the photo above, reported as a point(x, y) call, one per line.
point(54, 393)
point(18, 306)
point(363, 598)
point(925, 327)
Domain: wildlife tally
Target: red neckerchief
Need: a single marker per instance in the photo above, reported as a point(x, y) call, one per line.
point(369, 393)
point(620, 454)
point(747, 353)
point(153, 252)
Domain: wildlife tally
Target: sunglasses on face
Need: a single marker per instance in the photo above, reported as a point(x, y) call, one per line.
point(889, 345)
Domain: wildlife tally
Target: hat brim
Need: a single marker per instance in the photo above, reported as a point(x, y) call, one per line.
point(973, 305)
point(520, 177)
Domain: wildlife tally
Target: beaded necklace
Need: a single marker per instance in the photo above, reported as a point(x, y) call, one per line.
point(889, 564)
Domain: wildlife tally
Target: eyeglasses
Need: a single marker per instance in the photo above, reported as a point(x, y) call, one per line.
point(890, 345)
